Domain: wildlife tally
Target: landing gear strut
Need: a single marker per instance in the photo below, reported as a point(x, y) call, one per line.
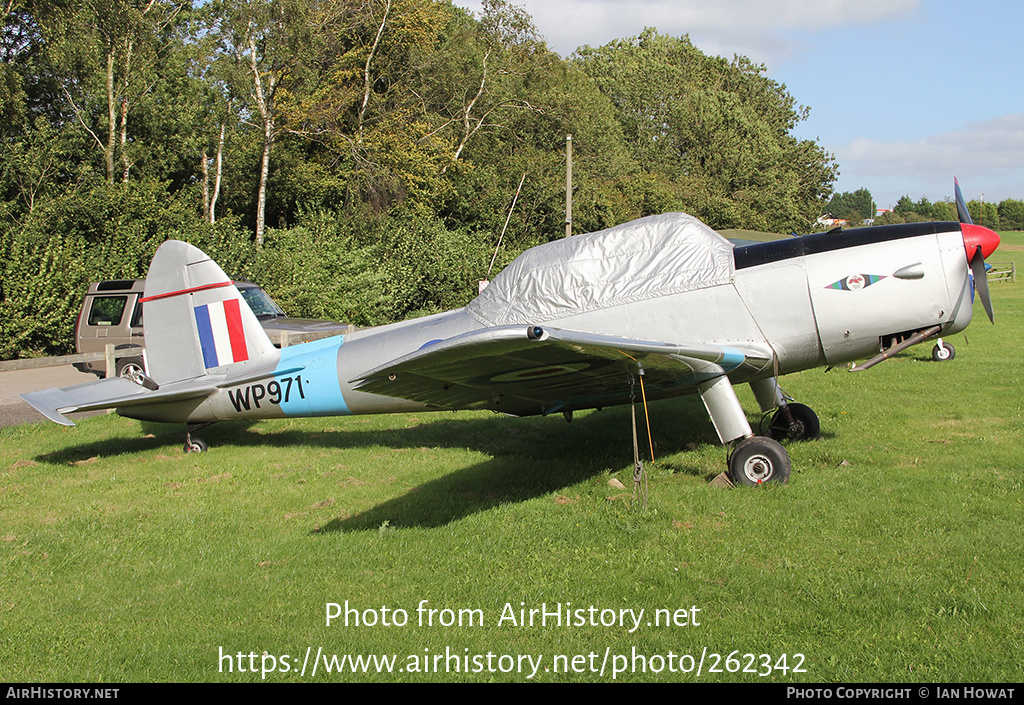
point(194, 445)
point(755, 459)
point(794, 422)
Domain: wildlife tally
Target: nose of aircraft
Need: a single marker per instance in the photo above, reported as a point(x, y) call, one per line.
point(978, 236)
point(979, 243)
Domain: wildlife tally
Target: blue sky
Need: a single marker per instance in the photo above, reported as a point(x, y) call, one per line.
point(906, 94)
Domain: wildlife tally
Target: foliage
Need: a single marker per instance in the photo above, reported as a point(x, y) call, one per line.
point(1011, 214)
point(718, 130)
point(102, 232)
point(382, 269)
point(907, 211)
point(853, 206)
point(36, 313)
point(377, 147)
point(983, 213)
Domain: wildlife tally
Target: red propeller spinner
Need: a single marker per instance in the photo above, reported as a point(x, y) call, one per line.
point(979, 236)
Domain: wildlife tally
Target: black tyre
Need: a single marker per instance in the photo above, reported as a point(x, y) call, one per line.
point(130, 367)
point(757, 460)
point(805, 425)
point(195, 445)
point(941, 353)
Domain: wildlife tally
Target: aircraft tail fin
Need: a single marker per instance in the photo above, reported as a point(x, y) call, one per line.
point(196, 320)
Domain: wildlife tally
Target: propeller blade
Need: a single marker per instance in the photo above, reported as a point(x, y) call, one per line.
point(978, 242)
point(961, 207)
point(981, 282)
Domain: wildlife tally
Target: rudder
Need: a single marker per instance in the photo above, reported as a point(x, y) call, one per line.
point(195, 318)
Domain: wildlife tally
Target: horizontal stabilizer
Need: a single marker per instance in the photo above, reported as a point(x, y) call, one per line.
point(108, 394)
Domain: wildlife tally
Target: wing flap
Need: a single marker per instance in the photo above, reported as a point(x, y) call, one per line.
point(530, 370)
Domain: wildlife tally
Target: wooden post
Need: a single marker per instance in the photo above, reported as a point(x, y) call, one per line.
point(109, 360)
point(568, 185)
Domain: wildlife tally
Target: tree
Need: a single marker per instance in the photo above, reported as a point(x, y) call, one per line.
point(16, 45)
point(904, 206)
point(983, 213)
point(106, 53)
point(275, 48)
point(853, 206)
point(1011, 214)
point(944, 210)
point(719, 131)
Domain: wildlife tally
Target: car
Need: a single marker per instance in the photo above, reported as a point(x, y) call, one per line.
point(112, 313)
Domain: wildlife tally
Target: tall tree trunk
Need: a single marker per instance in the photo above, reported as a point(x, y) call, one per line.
point(367, 83)
point(265, 102)
point(261, 199)
point(125, 87)
point(204, 165)
point(218, 174)
point(108, 152)
point(124, 140)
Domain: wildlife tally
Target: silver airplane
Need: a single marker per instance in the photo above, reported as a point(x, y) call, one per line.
point(658, 307)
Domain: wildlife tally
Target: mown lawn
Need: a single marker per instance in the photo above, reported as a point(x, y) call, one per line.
point(894, 554)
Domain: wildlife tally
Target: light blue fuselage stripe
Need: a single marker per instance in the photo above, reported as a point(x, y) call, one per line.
point(320, 393)
point(206, 336)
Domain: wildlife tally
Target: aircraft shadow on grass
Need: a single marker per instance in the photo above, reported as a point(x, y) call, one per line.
point(529, 457)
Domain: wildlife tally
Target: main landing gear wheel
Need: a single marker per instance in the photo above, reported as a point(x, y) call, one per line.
point(757, 460)
point(804, 427)
point(195, 445)
point(943, 351)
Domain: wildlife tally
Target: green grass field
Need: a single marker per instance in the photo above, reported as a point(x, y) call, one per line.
point(894, 554)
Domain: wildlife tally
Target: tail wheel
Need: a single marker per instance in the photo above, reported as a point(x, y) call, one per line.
point(130, 368)
point(757, 460)
point(195, 445)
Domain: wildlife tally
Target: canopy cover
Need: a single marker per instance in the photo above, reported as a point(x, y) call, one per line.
point(643, 259)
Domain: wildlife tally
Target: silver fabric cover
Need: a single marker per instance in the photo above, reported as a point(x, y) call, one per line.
point(643, 259)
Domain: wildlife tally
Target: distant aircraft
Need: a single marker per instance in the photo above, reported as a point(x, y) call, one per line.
point(662, 306)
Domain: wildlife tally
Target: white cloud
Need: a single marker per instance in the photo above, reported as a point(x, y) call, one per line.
point(986, 146)
point(763, 15)
point(986, 155)
point(751, 27)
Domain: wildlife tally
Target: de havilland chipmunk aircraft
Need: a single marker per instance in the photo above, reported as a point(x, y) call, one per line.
point(664, 302)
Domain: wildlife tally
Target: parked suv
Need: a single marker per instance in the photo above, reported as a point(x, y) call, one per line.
point(111, 313)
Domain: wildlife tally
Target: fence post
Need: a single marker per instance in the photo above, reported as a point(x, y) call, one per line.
point(111, 364)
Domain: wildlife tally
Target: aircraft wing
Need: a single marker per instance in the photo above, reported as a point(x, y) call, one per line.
point(533, 370)
point(108, 394)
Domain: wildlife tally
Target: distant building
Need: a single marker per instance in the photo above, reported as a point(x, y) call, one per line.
point(827, 221)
